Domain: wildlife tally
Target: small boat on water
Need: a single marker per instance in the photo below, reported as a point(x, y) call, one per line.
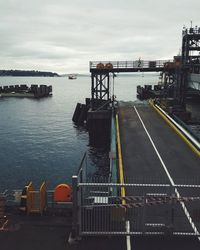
point(72, 77)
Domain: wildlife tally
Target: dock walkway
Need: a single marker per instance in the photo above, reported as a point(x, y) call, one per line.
point(139, 157)
point(152, 152)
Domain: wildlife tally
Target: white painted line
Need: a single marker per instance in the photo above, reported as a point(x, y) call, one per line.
point(170, 178)
point(155, 225)
point(128, 237)
point(157, 194)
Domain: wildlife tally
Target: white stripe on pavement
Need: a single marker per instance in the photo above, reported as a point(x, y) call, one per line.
point(170, 178)
point(128, 238)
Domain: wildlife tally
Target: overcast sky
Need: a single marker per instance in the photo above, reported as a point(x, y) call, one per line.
point(64, 35)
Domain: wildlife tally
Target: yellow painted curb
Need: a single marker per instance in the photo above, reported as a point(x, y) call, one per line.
point(121, 172)
point(183, 137)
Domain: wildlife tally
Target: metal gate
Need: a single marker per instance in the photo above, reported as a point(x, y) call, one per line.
point(147, 208)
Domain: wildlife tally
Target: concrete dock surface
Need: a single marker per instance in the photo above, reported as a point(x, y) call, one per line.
point(139, 157)
point(52, 233)
point(152, 152)
point(49, 232)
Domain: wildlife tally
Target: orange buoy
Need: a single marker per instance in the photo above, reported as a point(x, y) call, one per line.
point(62, 193)
point(109, 66)
point(100, 66)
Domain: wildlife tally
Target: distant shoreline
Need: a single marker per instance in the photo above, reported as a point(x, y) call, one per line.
point(27, 73)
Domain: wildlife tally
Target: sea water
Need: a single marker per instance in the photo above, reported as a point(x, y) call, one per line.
point(38, 140)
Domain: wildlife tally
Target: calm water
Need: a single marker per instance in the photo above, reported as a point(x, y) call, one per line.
point(38, 138)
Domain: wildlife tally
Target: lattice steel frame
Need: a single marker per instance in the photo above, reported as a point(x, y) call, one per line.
point(191, 46)
point(100, 86)
point(190, 58)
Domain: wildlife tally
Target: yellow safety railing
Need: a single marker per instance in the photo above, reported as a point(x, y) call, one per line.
point(182, 136)
point(121, 172)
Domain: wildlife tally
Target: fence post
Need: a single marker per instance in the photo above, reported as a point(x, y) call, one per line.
point(84, 169)
point(74, 236)
point(169, 225)
point(172, 208)
point(144, 213)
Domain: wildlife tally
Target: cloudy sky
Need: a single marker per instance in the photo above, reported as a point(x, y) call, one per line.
point(64, 35)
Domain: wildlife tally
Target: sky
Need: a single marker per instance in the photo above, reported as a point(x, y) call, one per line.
point(63, 36)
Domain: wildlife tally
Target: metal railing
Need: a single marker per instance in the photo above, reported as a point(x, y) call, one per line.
point(128, 64)
point(191, 31)
point(113, 150)
point(150, 209)
point(82, 170)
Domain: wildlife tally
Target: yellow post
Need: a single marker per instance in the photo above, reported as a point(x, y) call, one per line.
point(42, 197)
point(29, 200)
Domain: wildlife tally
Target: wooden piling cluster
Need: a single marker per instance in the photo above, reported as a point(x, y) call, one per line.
point(41, 91)
point(97, 121)
point(24, 91)
point(80, 114)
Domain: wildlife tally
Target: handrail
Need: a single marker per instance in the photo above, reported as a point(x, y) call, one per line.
point(106, 184)
point(81, 164)
point(113, 149)
point(81, 173)
point(130, 64)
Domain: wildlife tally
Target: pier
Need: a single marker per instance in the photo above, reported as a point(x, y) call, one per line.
point(151, 196)
point(156, 190)
point(152, 190)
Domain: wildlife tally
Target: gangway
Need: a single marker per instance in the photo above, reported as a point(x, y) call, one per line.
point(128, 66)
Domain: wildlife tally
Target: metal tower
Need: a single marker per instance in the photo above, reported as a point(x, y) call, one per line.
point(190, 58)
point(100, 87)
point(191, 47)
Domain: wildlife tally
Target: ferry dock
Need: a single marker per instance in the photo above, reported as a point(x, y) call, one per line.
point(150, 198)
point(150, 171)
point(152, 191)
point(154, 185)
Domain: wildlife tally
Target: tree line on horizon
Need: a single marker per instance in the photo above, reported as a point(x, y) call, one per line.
point(26, 73)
